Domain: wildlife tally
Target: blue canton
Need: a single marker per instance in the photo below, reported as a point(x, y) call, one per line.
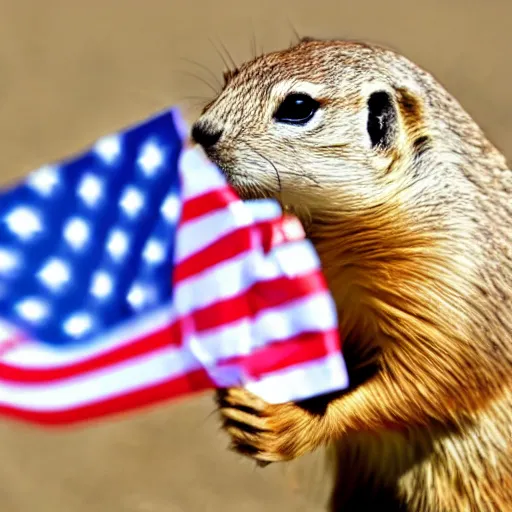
point(88, 243)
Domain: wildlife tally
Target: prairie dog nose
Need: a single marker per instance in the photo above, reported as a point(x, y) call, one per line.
point(205, 135)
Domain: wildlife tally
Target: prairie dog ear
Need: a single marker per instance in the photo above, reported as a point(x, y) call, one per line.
point(397, 119)
point(382, 119)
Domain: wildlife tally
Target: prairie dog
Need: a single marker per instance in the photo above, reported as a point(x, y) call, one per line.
point(410, 209)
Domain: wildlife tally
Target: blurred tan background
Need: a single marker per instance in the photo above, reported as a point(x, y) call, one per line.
point(71, 71)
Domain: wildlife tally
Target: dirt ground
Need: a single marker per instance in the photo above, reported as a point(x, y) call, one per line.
point(72, 71)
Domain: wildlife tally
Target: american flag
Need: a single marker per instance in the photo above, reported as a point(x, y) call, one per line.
point(132, 274)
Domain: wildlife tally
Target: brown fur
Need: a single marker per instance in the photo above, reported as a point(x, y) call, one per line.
point(416, 244)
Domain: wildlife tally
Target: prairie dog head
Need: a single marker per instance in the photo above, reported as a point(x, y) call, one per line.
point(330, 128)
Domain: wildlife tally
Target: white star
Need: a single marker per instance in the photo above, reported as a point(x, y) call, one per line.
point(109, 148)
point(24, 222)
point(55, 274)
point(117, 244)
point(102, 285)
point(9, 261)
point(154, 252)
point(43, 180)
point(140, 296)
point(170, 208)
point(76, 233)
point(90, 189)
point(78, 325)
point(32, 309)
point(150, 158)
point(132, 201)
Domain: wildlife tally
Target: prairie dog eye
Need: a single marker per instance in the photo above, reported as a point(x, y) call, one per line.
point(296, 108)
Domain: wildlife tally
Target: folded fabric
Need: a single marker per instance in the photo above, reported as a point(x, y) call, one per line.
point(133, 274)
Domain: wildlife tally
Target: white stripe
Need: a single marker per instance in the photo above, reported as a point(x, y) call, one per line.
point(198, 174)
point(296, 258)
point(303, 381)
point(139, 373)
point(263, 209)
point(199, 233)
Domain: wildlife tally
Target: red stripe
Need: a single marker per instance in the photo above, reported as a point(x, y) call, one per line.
point(266, 234)
point(206, 203)
point(140, 346)
point(283, 230)
point(225, 248)
point(192, 382)
point(263, 295)
point(304, 348)
point(258, 298)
